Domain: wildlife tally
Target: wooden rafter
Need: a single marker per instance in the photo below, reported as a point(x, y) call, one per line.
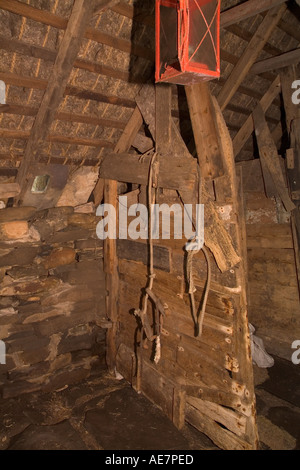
point(270, 158)
point(50, 19)
point(68, 51)
point(247, 10)
point(64, 139)
point(292, 112)
point(21, 110)
point(38, 52)
point(248, 127)
point(79, 93)
point(204, 129)
point(110, 188)
point(250, 55)
point(277, 62)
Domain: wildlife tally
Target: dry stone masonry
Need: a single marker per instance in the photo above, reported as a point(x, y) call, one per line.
point(52, 298)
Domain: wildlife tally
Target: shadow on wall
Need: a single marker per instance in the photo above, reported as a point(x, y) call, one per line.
point(142, 66)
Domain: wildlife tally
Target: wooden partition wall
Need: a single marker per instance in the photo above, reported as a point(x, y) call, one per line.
point(203, 380)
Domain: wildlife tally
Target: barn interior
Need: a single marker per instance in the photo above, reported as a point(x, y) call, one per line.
point(139, 343)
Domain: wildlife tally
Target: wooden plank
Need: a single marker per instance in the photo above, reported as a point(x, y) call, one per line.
point(69, 47)
point(248, 127)
point(71, 140)
point(241, 343)
point(292, 112)
point(79, 93)
point(38, 52)
point(50, 19)
point(174, 173)
point(204, 130)
point(232, 420)
point(110, 245)
point(252, 51)
point(136, 251)
point(217, 237)
point(268, 154)
point(220, 436)
point(22, 110)
point(278, 62)
point(8, 190)
point(163, 124)
point(134, 13)
point(246, 10)
point(269, 236)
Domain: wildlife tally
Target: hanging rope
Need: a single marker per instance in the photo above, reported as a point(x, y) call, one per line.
point(152, 334)
point(198, 315)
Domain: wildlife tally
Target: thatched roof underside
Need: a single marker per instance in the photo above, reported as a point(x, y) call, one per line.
point(116, 56)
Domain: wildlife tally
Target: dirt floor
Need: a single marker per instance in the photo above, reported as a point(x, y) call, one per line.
point(104, 413)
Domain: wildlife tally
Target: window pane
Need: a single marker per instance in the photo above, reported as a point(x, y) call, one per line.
point(202, 12)
point(168, 37)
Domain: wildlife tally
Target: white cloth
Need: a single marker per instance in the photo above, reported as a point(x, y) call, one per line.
point(259, 355)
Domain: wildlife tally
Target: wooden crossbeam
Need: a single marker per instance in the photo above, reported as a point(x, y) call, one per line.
point(270, 158)
point(64, 139)
point(292, 112)
point(12, 159)
point(8, 190)
point(50, 19)
point(251, 53)
point(277, 62)
point(247, 10)
point(79, 93)
point(205, 130)
point(70, 45)
point(110, 245)
point(246, 35)
point(219, 240)
point(22, 110)
point(174, 173)
point(248, 127)
point(38, 52)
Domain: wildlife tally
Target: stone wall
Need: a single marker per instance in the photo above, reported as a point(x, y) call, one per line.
point(52, 298)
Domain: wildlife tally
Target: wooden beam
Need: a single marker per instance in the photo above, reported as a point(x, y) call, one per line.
point(12, 159)
point(79, 93)
point(38, 52)
point(247, 10)
point(251, 53)
point(232, 59)
point(163, 116)
point(134, 14)
point(64, 139)
point(8, 190)
point(173, 172)
point(204, 129)
point(278, 62)
point(292, 113)
point(270, 158)
point(230, 16)
point(217, 237)
point(70, 45)
point(110, 245)
point(248, 127)
point(50, 19)
point(247, 36)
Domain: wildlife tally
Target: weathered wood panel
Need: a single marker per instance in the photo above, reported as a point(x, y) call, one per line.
point(212, 371)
